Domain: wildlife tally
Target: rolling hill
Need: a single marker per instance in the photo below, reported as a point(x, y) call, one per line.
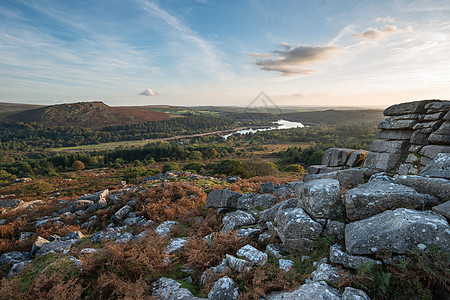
point(86, 114)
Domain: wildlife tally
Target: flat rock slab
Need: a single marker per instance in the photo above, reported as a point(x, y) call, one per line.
point(438, 187)
point(251, 200)
point(321, 198)
point(253, 254)
point(443, 209)
point(397, 231)
point(414, 107)
point(347, 178)
point(335, 157)
point(222, 199)
point(338, 256)
point(382, 161)
point(439, 167)
point(375, 197)
point(236, 219)
point(357, 158)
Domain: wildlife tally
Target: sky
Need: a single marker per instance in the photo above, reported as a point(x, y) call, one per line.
point(214, 52)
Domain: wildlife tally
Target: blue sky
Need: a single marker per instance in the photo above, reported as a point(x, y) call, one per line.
point(206, 52)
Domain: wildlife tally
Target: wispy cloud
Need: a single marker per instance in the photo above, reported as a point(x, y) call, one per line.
point(292, 61)
point(376, 34)
point(150, 92)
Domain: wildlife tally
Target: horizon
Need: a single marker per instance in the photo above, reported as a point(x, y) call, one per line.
point(201, 53)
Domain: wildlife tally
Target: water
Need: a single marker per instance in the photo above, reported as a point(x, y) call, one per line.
point(280, 124)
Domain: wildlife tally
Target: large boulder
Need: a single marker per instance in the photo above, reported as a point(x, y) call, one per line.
point(169, 289)
point(270, 213)
point(442, 135)
point(296, 229)
point(347, 178)
point(443, 209)
point(357, 158)
point(334, 157)
point(414, 107)
point(222, 199)
point(55, 247)
point(253, 254)
point(375, 197)
point(251, 200)
point(321, 199)
point(439, 167)
point(165, 227)
point(438, 187)
point(397, 231)
point(382, 161)
point(236, 219)
point(317, 290)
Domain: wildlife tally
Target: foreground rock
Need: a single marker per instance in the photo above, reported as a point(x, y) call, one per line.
point(338, 256)
point(224, 289)
point(310, 291)
point(375, 197)
point(236, 219)
point(397, 231)
point(439, 167)
point(169, 289)
point(438, 187)
point(222, 199)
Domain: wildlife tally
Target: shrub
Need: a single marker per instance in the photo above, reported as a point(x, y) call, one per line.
point(135, 172)
point(194, 166)
point(173, 166)
point(78, 165)
point(229, 167)
point(195, 155)
point(295, 169)
point(39, 187)
point(258, 167)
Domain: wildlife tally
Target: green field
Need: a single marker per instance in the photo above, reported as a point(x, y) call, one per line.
point(102, 146)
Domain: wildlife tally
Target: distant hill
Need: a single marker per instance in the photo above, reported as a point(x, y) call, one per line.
point(86, 114)
point(7, 109)
point(336, 117)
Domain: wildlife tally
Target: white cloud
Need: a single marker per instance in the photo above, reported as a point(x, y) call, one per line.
point(376, 34)
point(385, 19)
point(291, 61)
point(150, 92)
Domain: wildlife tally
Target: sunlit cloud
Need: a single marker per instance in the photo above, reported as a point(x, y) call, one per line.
point(376, 34)
point(150, 92)
point(292, 61)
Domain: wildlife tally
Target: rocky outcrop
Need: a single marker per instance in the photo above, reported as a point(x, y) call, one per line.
point(413, 135)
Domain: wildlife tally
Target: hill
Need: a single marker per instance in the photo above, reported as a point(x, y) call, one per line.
point(7, 109)
point(87, 114)
point(336, 117)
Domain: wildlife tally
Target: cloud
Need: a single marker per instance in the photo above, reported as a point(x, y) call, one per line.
point(150, 92)
point(290, 61)
point(376, 34)
point(386, 19)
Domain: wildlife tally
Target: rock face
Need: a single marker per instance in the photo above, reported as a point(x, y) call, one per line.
point(397, 231)
point(224, 289)
point(222, 199)
point(321, 199)
point(250, 200)
point(413, 135)
point(374, 197)
point(335, 157)
point(439, 167)
point(296, 229)
point(438, 187)
point(236, 219)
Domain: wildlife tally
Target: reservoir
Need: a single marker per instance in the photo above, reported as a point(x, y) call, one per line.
point(280, 124)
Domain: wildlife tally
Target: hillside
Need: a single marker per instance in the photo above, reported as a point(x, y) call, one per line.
point(335, 117)
point(7, 109)
point(86, 114)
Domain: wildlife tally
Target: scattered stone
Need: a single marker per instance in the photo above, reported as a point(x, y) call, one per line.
point(17, 268)
point(38, 244)
point(132, 221)
point(354, 294)
point(25, 236)
point(10, 203)
point(74, 235)
point(335, 228)
point(264, 237)
point(397, 231)
point(175, 245)
point(224, 289)
point(309, 291)
point(169, 289)
point(222, 199)
point(274, 250)
point(164, 228)
point(14, 257)
point(375, 197)
point(253, 255)
point(121, 213)
point(296, 229)
point(338, 256)
point(237, 264)
point(125, 238)
point(270, 213)
point(236, 219)
point(325, 272)
point(89, 250)
point(25, 205)
point(250, 232)
point(267, 187)
point(55, 247)
point(81, 205)
point(381, 177)
point(221, 269)
point(285, 264)
point(106, 234)
point(321, 199)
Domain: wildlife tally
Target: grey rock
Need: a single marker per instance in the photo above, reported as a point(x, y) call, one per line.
point(394, 123)
point(325, 272)
point(175, 245)
point(55, 247)
point(354, 294)
point(74, 235)
point(89, 250)
point(121, 213)
point(437, 105)
point(267, 187)
point(224, 289)
point(264, 237)
point(106, 234)
point(320, 169)
point(321, 199)
point(124, 238)
point(394, 134)
point(296, 229)
point(439, 167)
point(443, 209)
point(164, 228)
point(432, 151)
point(338, 256)
point(223, 199)
point(270, 213)
point(154, 177)
point(432, 126)
point(25, 236)
point(438, 187)
point(415, 107)
point(29, 204)
point(132, 221)
point(17, 268)
point(14, 257)
point(285, 264)
point(236, 219)
point(382, 161)
point(237, 264)
point(381, 177)
point(347, 178)
point(335, 228)
point(169, 289)
point(419, 138)
point(335, 157)
point(253, 255)
point(81, 205)
point(274, 250)
point(383, 146)
point(397, 231)
point(357, 158)
point(95, 196)
point(10, 203)
point(250, 232)
point(375, 197)
point(283, 192)
point(222, 269)
point(38, 244)
point(309, 291)
point(251, 200)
